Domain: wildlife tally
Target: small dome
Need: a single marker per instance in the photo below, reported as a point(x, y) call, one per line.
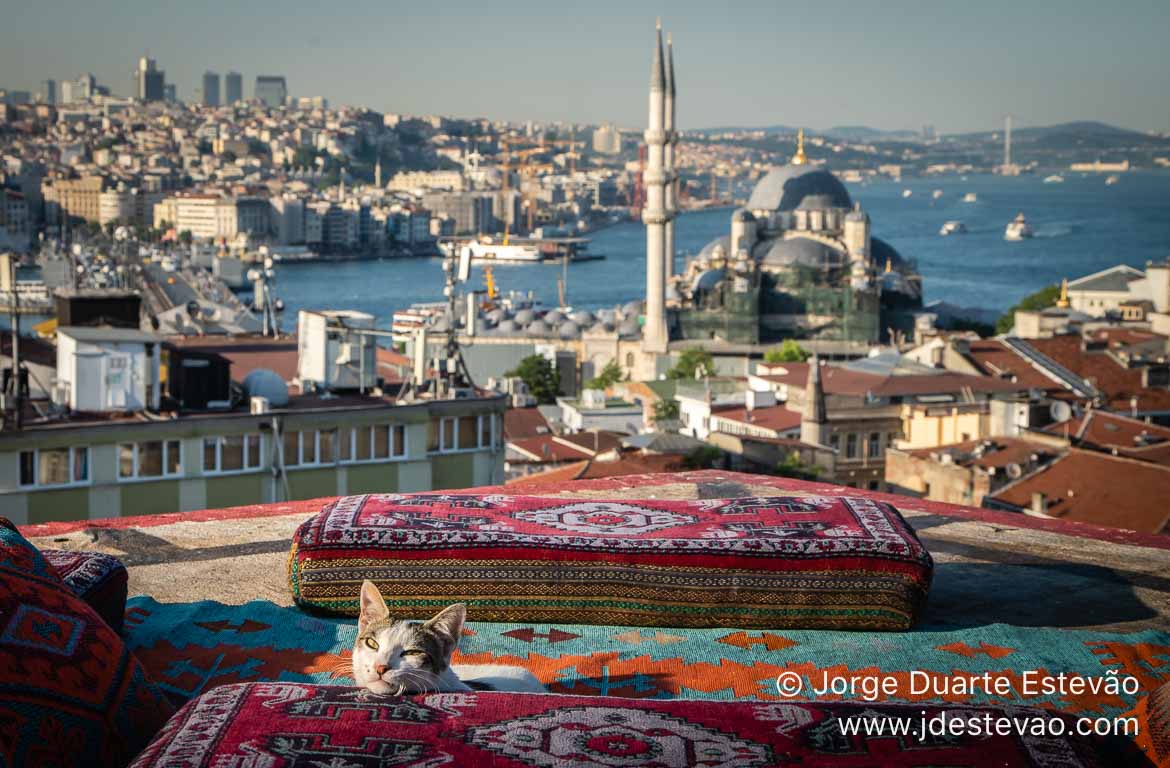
point(798, 186)
point(706, 281)
point(630, 328)
point(524, 317)
point(582, 317)
point(709, 249)
point(263, 382)
point(632, 309)
point(798, 252)
point(554, 317)
point(496, 315)
point(569, 330)
point(606, 315)
point(538, 328)
point(507, 327)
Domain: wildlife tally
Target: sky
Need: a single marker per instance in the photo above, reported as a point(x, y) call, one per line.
point(893, 64)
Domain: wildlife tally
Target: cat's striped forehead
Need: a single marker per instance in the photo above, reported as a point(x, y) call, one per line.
point(405, 635)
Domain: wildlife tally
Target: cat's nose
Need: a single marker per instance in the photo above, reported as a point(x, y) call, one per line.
point(381, 669)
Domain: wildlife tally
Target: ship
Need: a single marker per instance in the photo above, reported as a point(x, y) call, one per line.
point(935, 195)
point(953, 228)
point(1018, 229)
point(1055, 178)
point(970, 197)
point(906, 193)
point(488, 250)
point(1112, 180)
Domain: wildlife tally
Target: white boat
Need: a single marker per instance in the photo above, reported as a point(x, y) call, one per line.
point(906, 193)
point(1018, 229)
point(1112, 180)
point(935, 195)
point(487, 250)
point(970, 197)
point(1055, 178)
point(953, 228)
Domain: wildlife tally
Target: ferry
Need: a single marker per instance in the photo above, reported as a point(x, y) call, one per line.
point(1112, 180)
point(1055, 178)
point(970, 197)
point(953, 228)
point(488, 250)
point(935, 195)
point(1018, 229)
point(906, 193)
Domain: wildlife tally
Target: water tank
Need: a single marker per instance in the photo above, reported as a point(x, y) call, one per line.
point(266, 383)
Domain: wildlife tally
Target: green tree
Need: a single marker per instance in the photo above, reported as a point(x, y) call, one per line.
point(1041, 299)
point(611, 374)
point(703, 457)
point(788, 352)
point(185, 237)
point(691, 360)
point(792, 466)
point(538, 375)
point(665, 410)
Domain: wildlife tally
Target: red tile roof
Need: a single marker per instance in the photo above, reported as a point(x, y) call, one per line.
point(997, 452)
point(546, 448)
point(994, 358)
point(775, 417)
point(837, 380)
point(1130, 437)
point(628, 464)
point(520, 423)
point(1117, 383)
point(1092, 487)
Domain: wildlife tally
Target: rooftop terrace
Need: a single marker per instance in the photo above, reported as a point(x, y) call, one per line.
point(991, 567)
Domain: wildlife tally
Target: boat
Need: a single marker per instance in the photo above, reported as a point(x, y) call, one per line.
point(487, 249)
point(970, 197)
point(1113, 179)
point(1018, 229)
point(954, 227)
point(906, 193)
point(935, 195)
point(1055, 178)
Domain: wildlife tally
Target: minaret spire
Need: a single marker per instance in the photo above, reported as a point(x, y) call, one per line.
point(657, 71)
point(655, 213)
point(814, 418)
point(670, 150)
point(799, 158)
point(1063, 302)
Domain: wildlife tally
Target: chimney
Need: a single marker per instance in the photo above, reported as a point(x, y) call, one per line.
point(1039, 504)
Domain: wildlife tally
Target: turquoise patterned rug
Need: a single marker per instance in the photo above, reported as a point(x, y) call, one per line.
point(191, 647)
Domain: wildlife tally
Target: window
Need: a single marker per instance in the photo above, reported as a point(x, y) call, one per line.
point(233, 453)
point(874, 485)
point(373, 443)
point(399, 444)
point(54, 466)
point(463, 433)
point(310, 447)
point(875, 444)
point(156, 458)
point(835, 442)
point(851, 445)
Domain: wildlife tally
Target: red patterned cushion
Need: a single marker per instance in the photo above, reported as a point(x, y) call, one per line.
point(281, 725)
point(816, 561)
point(70, 692)
point(97, 578)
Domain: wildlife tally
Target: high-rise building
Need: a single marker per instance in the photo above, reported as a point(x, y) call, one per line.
point(84, 87)
point(271, 90)
point(607, 140)
point(170, 93)
point(233, 88)
point(49, 91)
point(149, 81)
point(210, 89)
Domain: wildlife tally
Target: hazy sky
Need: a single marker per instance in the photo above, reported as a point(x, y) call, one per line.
point(959, 65)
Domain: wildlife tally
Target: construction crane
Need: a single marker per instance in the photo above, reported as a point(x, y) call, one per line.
point(528, 171)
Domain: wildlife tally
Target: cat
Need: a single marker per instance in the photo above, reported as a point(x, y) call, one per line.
point(402, 657)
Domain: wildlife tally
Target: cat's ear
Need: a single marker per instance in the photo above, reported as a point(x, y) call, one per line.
point(373, 607)
point(447, 626)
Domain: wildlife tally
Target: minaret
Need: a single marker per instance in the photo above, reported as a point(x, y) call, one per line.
point(799, 158)
point(378, 172)
point(669, 152)
point(1063, 302)
point(654, 213)
point(814, 420)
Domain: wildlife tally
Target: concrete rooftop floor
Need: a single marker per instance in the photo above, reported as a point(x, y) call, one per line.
point(990, 567)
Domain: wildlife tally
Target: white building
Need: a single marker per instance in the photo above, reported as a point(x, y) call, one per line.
point(607, 140)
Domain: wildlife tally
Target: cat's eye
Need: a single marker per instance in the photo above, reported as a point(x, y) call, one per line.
point(371, 643)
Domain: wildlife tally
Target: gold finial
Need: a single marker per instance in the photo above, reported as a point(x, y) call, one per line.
point(799, 158)
point(658, 23)
point(1063, 302)
point(889, 265)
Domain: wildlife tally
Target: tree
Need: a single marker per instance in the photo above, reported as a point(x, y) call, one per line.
point(611, 374)
point(1041, 299)
point(691, 360)
point(665, 410)
point(703, 457)
point(788, 352)
point(185, 237)
point(538, 375)
point(792, 466)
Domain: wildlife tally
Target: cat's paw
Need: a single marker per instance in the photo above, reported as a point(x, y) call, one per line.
point(380, 687)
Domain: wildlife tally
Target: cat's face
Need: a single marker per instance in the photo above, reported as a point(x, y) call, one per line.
point(400, 657)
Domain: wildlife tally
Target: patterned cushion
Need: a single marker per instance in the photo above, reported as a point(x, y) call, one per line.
point(281, 725)
point(70, 692)
point(97, 578)
point(769, 562)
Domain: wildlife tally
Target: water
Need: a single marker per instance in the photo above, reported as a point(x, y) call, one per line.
point(1081, 226)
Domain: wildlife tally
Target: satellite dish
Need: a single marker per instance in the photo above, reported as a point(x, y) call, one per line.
point(1060, 411)
point(1014, 471)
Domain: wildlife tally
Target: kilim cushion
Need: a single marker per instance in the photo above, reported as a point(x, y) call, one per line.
point(70, 692)
point(97, 578)
point(768, 562)
point(281, 725)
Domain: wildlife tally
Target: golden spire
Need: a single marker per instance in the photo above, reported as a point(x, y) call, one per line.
point(889, 265)
point(1062, 302)
point(799, 158)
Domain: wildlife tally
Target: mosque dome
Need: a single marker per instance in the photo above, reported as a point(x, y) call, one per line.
point(798, 186)
point(632, 309)
point(630, 328)
point(582, 317)
point(569, 330)
point(709, 249)
point(797, 252)
point(506, 327)
point(554, 317)
point(880, 252)
point(708, 280)
point(524, 317)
